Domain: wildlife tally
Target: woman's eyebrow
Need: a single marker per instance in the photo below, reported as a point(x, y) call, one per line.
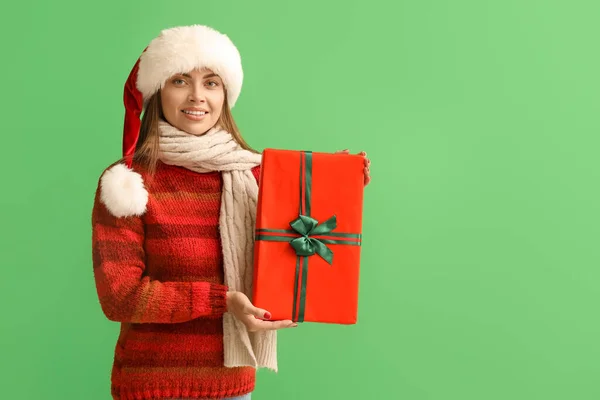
point(204, 77)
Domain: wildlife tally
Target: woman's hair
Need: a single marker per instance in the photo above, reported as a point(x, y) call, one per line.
point(146, 151)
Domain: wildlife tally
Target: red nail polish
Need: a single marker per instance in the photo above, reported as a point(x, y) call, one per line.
point(268, 315)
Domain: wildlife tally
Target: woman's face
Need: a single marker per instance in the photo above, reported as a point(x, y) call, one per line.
point(192, 102)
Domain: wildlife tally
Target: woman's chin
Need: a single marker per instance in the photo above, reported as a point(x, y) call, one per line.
point(198, 128)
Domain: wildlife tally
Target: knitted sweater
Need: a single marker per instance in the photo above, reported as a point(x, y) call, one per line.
point(161, 276)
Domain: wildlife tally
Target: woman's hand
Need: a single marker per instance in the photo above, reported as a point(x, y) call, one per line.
point(367, 164)
point(240, 306)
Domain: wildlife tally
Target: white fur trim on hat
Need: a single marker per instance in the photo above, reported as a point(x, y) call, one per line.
point(185, 48)
point(122, 191)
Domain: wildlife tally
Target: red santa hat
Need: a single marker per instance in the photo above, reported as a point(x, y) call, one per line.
point(176, 50)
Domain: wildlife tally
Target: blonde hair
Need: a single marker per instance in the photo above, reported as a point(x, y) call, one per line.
point(147, 150)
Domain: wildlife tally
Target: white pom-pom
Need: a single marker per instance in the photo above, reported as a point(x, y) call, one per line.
point(122, 191)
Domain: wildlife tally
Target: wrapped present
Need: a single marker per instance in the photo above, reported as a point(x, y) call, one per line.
point(308, 236)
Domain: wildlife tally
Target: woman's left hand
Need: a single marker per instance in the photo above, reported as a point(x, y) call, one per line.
point(367, 164)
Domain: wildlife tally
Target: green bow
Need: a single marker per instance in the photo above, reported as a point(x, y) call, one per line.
point(308, 246)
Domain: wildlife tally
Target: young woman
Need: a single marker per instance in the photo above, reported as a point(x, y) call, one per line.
point(173, 229)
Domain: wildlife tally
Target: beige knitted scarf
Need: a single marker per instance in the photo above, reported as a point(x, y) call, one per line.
point(217, 150)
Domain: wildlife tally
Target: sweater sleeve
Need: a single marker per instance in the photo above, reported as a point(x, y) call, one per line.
point(125, 294)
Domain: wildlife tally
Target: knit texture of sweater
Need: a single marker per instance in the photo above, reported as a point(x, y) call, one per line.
point(161, 276)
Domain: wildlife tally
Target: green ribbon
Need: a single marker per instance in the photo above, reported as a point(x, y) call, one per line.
point(308, 243)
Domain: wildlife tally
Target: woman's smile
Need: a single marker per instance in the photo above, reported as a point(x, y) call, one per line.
point(194, 115)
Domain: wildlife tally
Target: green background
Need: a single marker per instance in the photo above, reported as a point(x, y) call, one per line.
point(479, 276)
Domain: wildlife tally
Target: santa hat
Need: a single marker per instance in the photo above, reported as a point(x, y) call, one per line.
point(176, 50)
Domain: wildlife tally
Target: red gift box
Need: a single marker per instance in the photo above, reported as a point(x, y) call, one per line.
point(308, 236)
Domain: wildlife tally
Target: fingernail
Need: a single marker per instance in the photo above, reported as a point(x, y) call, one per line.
point(295, 326)
point(268, 315)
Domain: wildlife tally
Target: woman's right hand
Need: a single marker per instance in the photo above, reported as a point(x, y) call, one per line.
point(242, 308)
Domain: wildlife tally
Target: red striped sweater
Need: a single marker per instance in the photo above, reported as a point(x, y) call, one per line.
point(161, 276)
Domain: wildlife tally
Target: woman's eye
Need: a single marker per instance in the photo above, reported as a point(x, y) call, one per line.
point(176, 81)
point(215, 83)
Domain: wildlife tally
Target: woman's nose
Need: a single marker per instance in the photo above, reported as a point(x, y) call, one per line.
point(197, 95)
